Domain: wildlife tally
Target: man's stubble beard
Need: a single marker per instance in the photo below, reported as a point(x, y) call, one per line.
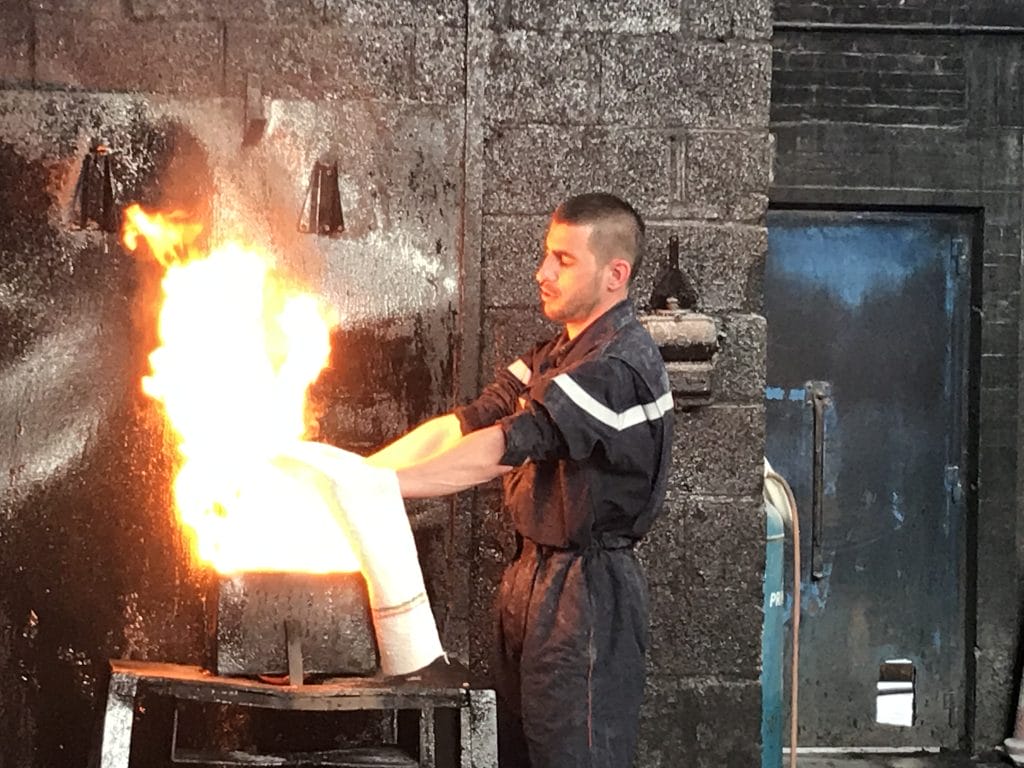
point(576, 310)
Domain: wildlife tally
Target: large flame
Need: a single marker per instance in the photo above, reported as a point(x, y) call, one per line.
point(238, 351)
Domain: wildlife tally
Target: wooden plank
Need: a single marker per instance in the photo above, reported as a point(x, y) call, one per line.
point(351, 693)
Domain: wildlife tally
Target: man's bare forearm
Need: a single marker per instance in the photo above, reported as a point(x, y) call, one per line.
point(429, 438)
point(472, 460)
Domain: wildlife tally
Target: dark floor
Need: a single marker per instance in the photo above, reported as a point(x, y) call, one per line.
point(924, 760)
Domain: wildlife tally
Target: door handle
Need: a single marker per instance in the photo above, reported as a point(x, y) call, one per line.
point(818, 398)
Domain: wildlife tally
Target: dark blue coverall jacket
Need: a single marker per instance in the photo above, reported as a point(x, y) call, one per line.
point(588, 428)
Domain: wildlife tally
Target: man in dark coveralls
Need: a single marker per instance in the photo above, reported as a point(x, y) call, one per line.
point(580, 426)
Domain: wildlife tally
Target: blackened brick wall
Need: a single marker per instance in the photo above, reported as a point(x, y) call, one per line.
point(924, 114)
point(889, 80)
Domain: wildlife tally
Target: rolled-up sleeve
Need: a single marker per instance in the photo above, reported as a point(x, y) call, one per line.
point(531, 434)
point(499, 399)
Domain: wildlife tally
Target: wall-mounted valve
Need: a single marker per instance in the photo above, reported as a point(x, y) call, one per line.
point(93, 204)
point(321, 213)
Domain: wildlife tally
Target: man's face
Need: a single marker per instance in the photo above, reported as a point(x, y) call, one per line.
point(570, 277)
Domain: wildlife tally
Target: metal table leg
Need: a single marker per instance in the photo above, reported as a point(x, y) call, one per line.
point(480, 731)
point(118, 721)
point(428, 738)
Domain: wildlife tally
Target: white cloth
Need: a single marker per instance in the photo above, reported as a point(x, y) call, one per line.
point(368, 504)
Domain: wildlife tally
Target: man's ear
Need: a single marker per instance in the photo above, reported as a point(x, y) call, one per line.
point(619, 271)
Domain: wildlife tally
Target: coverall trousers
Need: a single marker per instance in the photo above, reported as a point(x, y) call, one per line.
point(572, 635)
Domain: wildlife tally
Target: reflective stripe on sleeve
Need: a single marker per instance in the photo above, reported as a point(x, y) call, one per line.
point(630, 417)
point(521, 371)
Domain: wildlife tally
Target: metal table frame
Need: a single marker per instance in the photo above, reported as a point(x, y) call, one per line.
point(476, 706)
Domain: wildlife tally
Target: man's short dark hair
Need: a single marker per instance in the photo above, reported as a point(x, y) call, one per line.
point(618, 228)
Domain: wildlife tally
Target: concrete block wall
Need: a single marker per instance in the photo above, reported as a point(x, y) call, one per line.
point(493, 111)
point(910, 106)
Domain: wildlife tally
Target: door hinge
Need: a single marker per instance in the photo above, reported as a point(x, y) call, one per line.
point(959, 254)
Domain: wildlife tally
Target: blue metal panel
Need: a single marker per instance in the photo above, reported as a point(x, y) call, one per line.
point(867, 309)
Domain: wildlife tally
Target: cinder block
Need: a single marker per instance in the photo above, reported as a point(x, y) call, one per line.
point(438, 73)
point(119, 56)
point(512, 249)
point(493, 527)
point(713, 723)
point(663, 80)
point(623, 16)
point(409, 13)
point(532, 168)
point(441, 545)
point(726, 19)
point(696, 630)
point(302, 62)
point(719, 450)
point(482, 637)
point(638, 165)
point(727, 175)
point(103, 9)
point(460, 547)
point(543, 77)
point(708, 544)
point(722, 264)
point(493, 544)
point(739, 372)
point(509, 333)
point(266, 11)
point(15, 44)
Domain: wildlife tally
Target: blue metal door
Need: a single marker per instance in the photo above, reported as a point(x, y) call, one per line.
point(865, 411)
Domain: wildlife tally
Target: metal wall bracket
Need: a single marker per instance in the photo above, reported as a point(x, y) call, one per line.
point(321, 212)
point(255, 111)
point(93, 204)
point(671, 288)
